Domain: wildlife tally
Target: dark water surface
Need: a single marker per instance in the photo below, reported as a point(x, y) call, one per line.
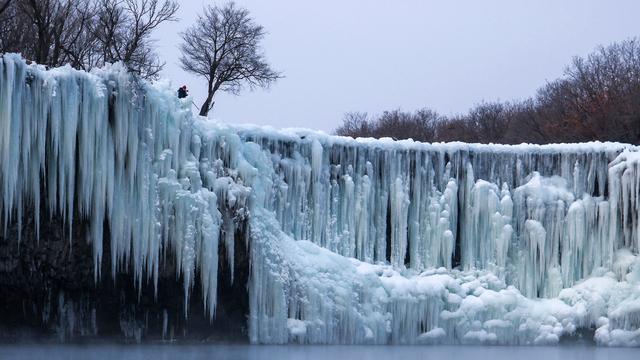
point(159, 352)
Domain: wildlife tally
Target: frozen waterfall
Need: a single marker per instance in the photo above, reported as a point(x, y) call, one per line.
point(350, 241)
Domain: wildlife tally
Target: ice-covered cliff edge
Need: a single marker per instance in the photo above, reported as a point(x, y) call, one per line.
point(350, 241)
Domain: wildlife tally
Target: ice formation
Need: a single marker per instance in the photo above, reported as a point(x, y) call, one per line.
point(351, 241)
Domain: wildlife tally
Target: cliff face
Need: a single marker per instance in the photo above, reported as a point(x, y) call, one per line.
point(127, 217)
point(48, 292)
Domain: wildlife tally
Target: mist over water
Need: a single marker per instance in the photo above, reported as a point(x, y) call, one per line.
point(240, 352)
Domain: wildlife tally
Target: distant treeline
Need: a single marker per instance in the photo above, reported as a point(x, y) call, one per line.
point(597, 98)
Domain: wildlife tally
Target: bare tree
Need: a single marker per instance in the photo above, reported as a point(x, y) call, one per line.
point(490, 120)
point(14, 30)
point(86, 33)
point(397, 124)
point(123, 32)
point(223, 46)
point(50, 23)
point(355, 124)
point(596, 99)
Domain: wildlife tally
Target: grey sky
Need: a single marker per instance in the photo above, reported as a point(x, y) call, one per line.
point(376, 55)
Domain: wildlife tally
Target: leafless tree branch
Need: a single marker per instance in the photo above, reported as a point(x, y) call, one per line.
point(86, 33)
point(224, 48)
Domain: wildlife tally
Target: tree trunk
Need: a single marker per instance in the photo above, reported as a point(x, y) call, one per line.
point(208, 103)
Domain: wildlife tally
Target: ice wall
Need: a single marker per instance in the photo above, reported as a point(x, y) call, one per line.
point(540, 216)
point(124, 154)
point(539, 236)
point(351, 241)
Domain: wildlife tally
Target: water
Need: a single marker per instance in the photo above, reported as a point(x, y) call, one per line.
point(239, 352)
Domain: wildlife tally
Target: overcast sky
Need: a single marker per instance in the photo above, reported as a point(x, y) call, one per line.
point(374, 55)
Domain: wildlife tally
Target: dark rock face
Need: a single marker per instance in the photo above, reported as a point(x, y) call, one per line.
point(48, 292)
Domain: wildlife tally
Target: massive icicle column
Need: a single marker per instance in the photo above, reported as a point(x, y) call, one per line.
point(351, 241)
